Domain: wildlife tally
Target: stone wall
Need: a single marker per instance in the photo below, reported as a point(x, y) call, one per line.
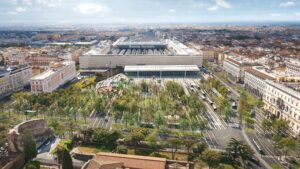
point(16, 163)
point(38, 127)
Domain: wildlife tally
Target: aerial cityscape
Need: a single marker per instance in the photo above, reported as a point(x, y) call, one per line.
point(149, 84)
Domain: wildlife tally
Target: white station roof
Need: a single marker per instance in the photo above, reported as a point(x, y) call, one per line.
point(149, 68)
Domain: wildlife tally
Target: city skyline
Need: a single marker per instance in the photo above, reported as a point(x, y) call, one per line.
point(146, 11)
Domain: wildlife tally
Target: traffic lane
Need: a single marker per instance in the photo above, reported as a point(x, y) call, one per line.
point(224, 136)
point(267, 154)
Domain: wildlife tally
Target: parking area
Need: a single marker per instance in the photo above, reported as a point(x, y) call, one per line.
point(101, 121)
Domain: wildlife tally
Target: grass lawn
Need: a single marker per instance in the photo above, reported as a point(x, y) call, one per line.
point(249, 130)
point(92, 149)
point(166, 155)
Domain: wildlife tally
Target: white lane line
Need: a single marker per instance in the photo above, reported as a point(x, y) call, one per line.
point(95, 120)
point(98, 124)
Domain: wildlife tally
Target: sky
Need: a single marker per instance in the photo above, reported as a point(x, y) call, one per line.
point(146, 11)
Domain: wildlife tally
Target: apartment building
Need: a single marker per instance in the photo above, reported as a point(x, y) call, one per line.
point(58, 74)
point(255, 80)
point(283, 100)
point(293, 67)
point(236, 66)
point(14, 79)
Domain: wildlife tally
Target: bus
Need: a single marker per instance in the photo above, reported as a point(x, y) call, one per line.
point(214, 107)
point(209, 101)
point(202, 92)
point(258, 147)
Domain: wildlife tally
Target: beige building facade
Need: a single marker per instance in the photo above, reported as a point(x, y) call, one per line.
point(58, 74)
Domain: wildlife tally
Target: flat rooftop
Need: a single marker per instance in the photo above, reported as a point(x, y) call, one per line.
point(51, 71)
point(43, 75)
point(261, 73)
point(153, 68)
point(137, 47)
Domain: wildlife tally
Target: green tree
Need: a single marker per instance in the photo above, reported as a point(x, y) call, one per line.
point(211, 158)
point(184, 124)
point(144, 87)
point(29, 146)
point(153, 142)
point(174, 89)
point(64, 158)
point(288, 144)
point(224, 107)
point(121, 149)
point(280, 126)
point(194, 124)
point(188, 143)
point(266, 125)
point(159, 119)
point(57, 127)
point(137, 135)
point(200, 148)
point(238, 152)
point(174, 144)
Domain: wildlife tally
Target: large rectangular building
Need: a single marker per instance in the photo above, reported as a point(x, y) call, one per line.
point(255, 80)
point(56, 76)
point(293, 67)
point(283, 100)
point(14, 79)
point(160, 71)
point(122, 53)
point(235, 67)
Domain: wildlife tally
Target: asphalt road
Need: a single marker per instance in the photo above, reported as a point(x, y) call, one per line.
point(219, 132)
point(265, 144)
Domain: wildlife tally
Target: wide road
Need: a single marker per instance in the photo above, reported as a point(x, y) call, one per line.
point(270, 157)
point(219, 132)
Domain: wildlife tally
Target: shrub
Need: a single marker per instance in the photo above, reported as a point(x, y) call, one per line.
point(122, 150)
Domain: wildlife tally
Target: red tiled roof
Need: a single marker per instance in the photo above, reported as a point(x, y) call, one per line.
point(259, 74)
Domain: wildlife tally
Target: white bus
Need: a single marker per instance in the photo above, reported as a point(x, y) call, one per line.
point(214, 107)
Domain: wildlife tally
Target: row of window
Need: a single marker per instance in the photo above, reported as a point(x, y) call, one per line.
point(283, 96)
point(284, 107)
point(293, 125)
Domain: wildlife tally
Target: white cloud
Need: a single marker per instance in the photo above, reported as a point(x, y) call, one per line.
point(171, 10)
point(90, 8)
point(287, 4)
point(17, 10)
point(49, 3)
point(223, 3)
point(27, 2)
point(276, 14)
point(297, 14)
point(213, 8)
point(20, 9)
point(219, 4)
